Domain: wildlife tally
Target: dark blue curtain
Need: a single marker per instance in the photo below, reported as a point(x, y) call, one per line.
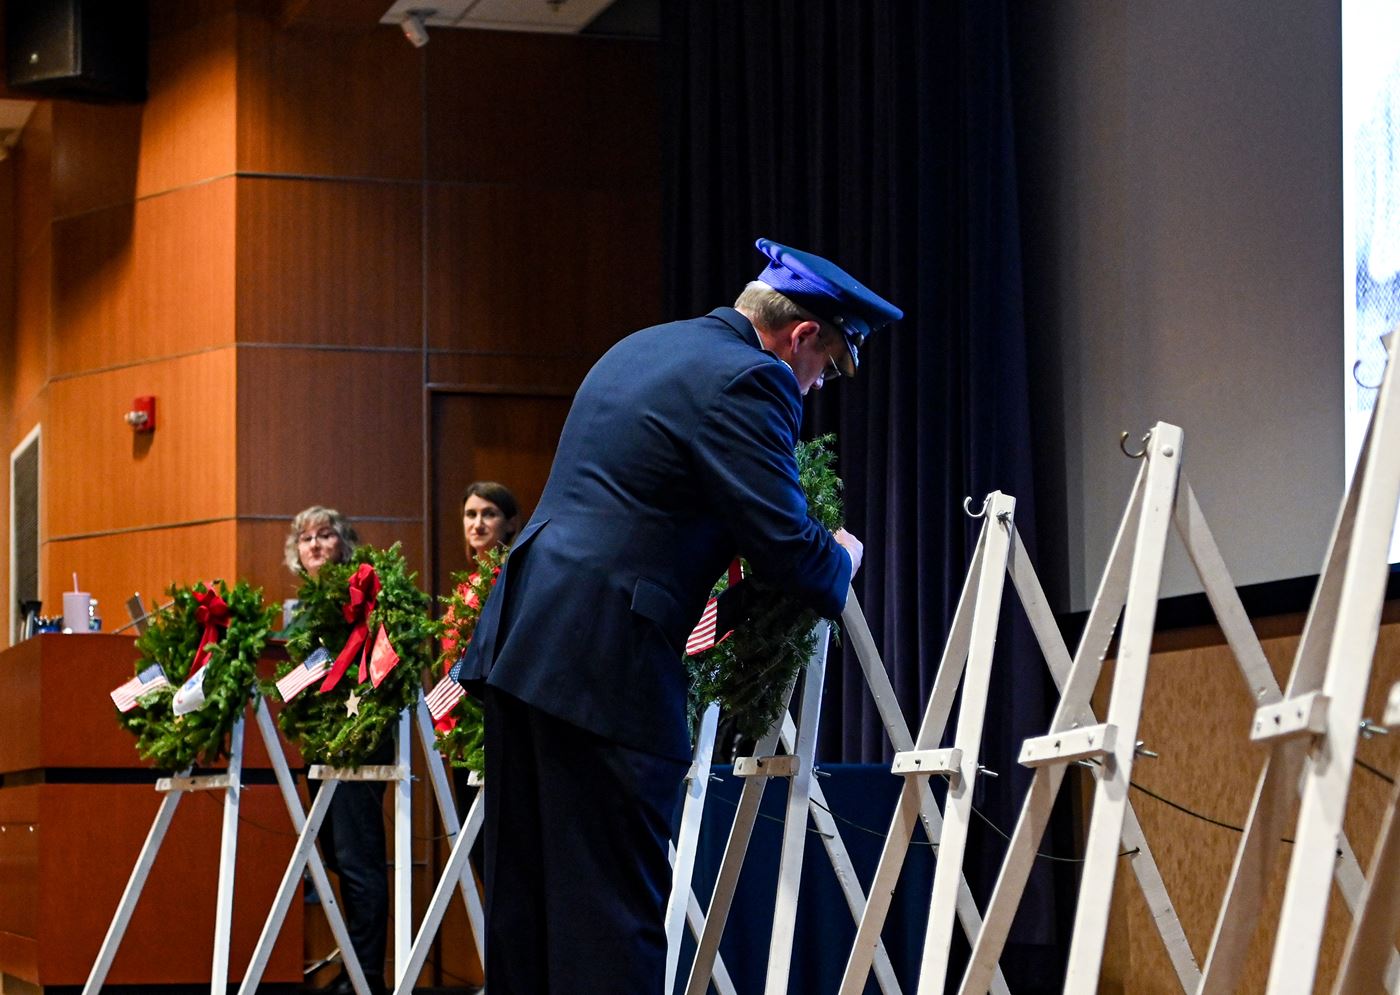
point(881, 135)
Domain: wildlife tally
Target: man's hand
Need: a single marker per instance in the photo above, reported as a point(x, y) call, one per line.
point(853, 547)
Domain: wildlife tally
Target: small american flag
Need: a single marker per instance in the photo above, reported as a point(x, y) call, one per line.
point(712, 629)
point(444, 698)
point(300, 678)
point(126, 696)
point(703, 636)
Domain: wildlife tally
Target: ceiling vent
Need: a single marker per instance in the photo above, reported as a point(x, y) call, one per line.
point(416, 17)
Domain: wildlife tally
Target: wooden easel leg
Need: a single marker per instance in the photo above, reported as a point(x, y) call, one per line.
point(437, 777)
point(795, 822)
point(1369, 945)
point(877, 678)
point(1075, 680)
point(1124, 711)
point(228, 855)
point(687, 841)
point(707, 947)
point(915, 797)
point(314, 866)
point(455, 874)
point(403, 852)
point(1350, 652)
point(306, 842)
point(957, 810)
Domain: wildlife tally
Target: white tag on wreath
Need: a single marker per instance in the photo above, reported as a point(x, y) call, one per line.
point(190, 697)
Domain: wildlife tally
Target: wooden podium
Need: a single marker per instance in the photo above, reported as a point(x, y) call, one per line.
point(75, 805)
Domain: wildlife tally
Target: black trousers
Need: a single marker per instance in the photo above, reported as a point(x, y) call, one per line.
point(576, 869)
point(353, 847)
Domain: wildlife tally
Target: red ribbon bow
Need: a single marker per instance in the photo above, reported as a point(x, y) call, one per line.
point(213, 614)
point(364, 589)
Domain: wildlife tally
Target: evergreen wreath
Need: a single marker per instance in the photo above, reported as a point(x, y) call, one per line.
point(172, 742)
point(321, 724)
point(749, 672)
point(461, 733)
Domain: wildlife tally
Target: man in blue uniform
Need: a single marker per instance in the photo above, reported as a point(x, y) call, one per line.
point(677, 456)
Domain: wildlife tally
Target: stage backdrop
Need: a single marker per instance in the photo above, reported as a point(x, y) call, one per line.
point(881, 136)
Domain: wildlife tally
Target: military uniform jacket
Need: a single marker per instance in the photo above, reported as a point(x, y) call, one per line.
point(676, 456)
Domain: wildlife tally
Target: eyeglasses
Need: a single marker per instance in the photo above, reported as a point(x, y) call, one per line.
point(326, 536)
point(833, 371)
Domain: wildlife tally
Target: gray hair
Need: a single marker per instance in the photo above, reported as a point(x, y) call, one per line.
point(315, 515)
point(770, 310)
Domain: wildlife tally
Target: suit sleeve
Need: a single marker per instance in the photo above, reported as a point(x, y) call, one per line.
point(744, 455)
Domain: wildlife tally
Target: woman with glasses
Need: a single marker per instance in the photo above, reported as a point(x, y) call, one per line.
point(352, 837)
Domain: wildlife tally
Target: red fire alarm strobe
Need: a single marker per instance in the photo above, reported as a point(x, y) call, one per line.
point(142, 416)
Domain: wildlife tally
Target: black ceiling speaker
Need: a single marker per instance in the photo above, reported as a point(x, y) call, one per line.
point(77, 49)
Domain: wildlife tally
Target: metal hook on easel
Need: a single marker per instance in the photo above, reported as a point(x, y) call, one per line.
point(1122, 444)
point(967, 508)
point(1356, 375)
point(1356, 366)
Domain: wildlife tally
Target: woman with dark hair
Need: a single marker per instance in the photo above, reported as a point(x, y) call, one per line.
point(352, 837)
point(490, 517)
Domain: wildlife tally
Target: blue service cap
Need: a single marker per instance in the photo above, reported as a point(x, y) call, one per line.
point(830, 293)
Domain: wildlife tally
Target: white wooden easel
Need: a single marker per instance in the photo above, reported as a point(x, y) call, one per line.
point(924, 804)
point(304, 856)
point(1133, 577)
point(1074, 726)
point(457, 873)
point(969, 648)
point(757, 769)
point(231, 783)
point(682, 908)
point(174, 789)
point(1313, 733)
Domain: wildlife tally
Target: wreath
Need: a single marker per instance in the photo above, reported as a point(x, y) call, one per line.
point(221, 630)
point(369, 617)
point(749, 672)
point(461, 733)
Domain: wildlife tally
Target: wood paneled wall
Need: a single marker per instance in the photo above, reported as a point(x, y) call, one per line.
point(307, 224)
point(313, 243)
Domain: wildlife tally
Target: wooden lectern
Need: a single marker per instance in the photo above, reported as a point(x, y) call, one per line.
point(75, 805)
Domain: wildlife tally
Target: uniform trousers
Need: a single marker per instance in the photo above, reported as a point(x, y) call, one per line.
point(576, 868)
